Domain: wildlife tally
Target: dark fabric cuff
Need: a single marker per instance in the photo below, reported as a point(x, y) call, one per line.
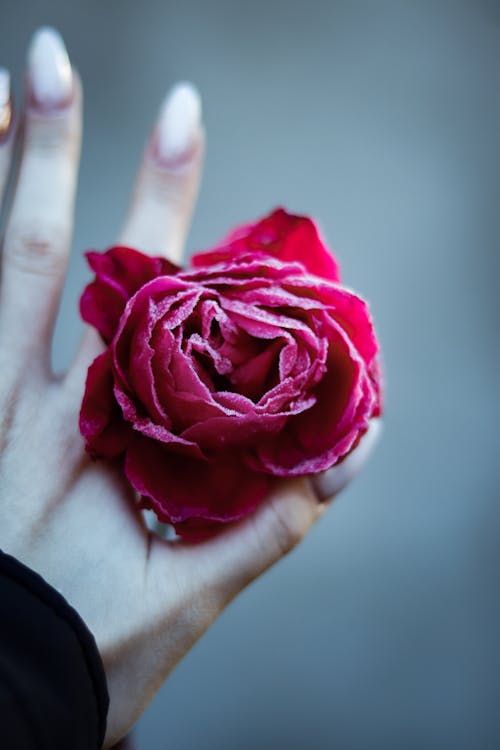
point(53, 691)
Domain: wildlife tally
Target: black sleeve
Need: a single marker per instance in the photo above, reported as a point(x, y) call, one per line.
point(53, 692)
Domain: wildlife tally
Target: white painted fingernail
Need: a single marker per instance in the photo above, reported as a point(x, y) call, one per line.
point(49, 68)
point(178, 124)
point(5, 103)
point(332, 481)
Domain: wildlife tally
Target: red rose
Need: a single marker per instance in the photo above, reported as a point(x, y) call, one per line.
point(253, 364)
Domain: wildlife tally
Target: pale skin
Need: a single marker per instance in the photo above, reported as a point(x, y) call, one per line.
point(146, 600)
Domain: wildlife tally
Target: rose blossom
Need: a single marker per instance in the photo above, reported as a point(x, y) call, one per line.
point(253, 364)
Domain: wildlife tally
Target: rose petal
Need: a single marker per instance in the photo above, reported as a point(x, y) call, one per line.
point(101, 422)
point(285, 236)
point(183, 395)
point(254, 377)
point(179, 488)
point(253, 363)
point(146, 426)
point(315, 439)
point(120, 272)
point(347, 307)
point(236, 431)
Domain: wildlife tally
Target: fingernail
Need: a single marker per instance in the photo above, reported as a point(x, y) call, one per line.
point(50, 76)
point(332, 481)
point(5, 104)
point(178, 125)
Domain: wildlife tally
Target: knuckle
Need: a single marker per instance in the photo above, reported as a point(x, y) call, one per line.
point(163, 189)
point(38, 248)
point(50, 135)
point(287, 529)
point(168, 185)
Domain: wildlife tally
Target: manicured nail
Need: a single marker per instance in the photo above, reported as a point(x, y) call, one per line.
point(332, 481)
point(50, 77)
point(178, 125)
point(5, 104)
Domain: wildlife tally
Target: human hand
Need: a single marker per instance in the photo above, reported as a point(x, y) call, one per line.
point(146, 600)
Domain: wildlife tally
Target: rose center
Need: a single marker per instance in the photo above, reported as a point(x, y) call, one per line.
point(232, 360)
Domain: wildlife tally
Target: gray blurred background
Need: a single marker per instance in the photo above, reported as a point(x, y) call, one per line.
point(381, 119)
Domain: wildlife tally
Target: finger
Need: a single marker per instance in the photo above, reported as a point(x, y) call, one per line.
point(329, 483)
point(168, 180)
point(221, 567)
point(6, 131)
point(213, 572)
point(38, 231)
point(164, 196)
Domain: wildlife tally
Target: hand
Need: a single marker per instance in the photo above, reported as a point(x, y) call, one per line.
point(146, 600)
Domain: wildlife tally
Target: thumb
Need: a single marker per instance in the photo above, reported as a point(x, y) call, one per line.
point(224, 565)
